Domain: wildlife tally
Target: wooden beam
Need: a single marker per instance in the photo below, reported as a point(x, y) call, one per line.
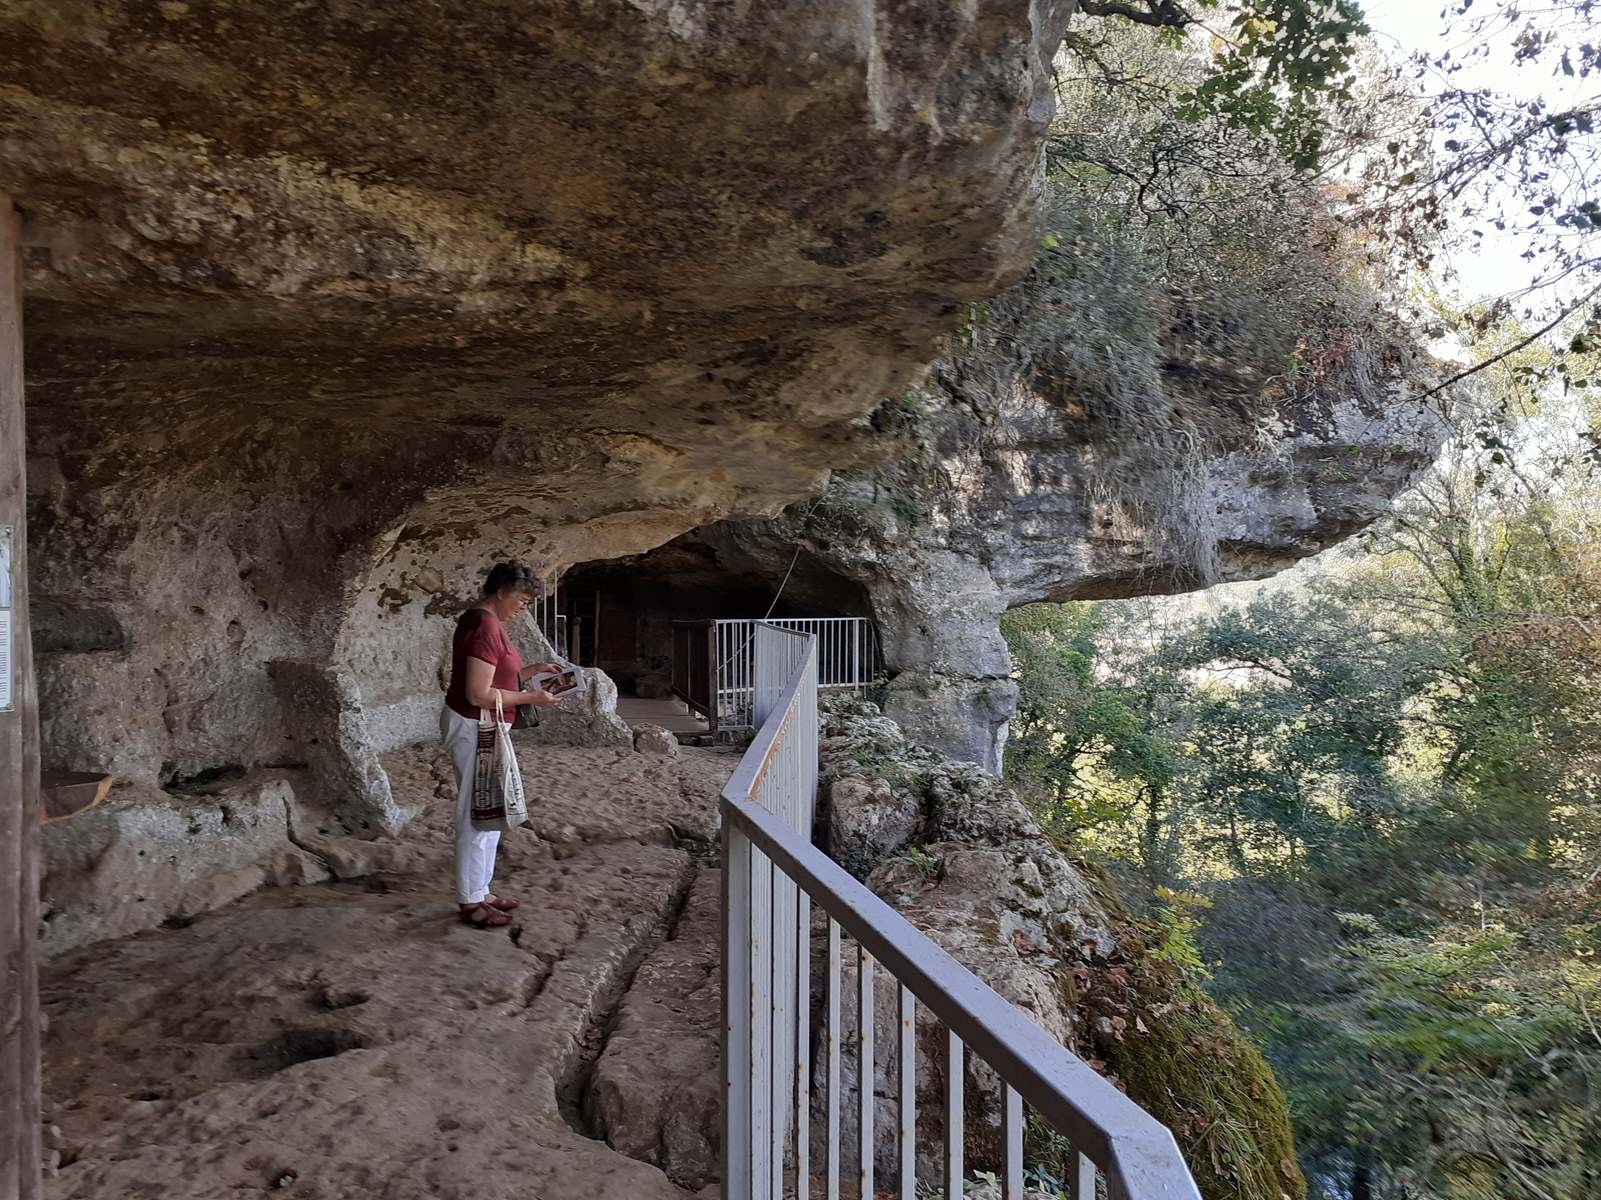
point(19, 763)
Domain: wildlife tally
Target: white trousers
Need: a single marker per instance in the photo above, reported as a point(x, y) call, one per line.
point(475, 851)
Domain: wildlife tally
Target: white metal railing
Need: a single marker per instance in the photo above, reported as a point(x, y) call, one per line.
point(772, 874)
point(763, 910)
point(847, 658)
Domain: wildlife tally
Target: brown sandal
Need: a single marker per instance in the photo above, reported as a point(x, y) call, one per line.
point(483, 916)
point(500, 902)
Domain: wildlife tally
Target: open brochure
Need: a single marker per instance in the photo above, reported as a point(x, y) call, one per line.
point(564, 683)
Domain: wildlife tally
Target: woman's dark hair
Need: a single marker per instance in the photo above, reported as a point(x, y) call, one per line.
point(512, 577)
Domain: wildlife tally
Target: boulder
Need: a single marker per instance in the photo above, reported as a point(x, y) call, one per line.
point(147, 857)
point(588, 719)
point(869, 820)
point(653, 739)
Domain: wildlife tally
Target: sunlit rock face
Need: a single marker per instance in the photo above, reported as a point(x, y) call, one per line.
point(329, 306)
point(996, 487)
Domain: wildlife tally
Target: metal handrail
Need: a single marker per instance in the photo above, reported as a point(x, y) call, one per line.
point(1137, 1154)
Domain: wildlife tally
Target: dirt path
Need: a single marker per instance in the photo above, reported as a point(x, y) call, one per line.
point(354, 1040)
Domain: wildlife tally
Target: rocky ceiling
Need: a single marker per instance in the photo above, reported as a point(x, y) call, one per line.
point(327, 303)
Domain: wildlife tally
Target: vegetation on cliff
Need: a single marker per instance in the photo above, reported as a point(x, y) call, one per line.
point(1121, 989)
point(1372, 803)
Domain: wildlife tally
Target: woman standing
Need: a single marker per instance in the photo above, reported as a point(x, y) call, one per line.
point(483, 662)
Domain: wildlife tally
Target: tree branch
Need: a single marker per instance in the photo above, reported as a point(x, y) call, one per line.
point(1161, 13)
point(1539, 333)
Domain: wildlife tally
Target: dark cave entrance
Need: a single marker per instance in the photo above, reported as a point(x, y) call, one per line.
point(638, 619)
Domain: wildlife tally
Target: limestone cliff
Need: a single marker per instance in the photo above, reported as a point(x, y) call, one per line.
point(325, 313)
point(327, 308)
point(998, 484)
point(959, 856)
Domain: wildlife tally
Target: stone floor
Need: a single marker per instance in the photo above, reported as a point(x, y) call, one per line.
point(353, 1040)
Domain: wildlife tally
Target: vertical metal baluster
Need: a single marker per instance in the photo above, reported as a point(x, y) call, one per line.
point(906, 1112)
point(955, 1116)
point(803, 1044)
point(1012, 1146)
point(736, 1012)
point(864, 1072)
point(785, 971)
point(831, 1100)
point(1082, 1184)
point(761, 1006)
point(781, 1019)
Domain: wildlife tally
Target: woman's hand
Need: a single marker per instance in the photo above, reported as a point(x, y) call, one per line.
point(539, 699)
point(539, 669)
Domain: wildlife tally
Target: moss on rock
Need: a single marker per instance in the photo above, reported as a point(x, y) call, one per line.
point(1186, 1062)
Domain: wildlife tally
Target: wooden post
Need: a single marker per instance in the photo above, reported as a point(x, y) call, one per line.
point(711, 677)
point(19, 764)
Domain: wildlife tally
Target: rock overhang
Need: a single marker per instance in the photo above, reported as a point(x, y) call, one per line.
point(320, 298)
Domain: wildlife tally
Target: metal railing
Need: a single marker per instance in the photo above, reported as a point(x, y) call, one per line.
point(772, 875)
point(847, 658)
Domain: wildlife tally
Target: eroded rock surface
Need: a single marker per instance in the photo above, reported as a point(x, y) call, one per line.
point(656, 1093)
point(147, 857)
point(868, 820)
point(1000, 487)
point(354, 1039)
point(329, 308)
point(1044, 931)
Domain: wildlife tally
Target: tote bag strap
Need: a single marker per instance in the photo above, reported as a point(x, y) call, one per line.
point(483, 713)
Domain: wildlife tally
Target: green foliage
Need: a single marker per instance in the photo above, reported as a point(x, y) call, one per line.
point(1075, 731)
point(1190, 1066)
point(1177, 920)
point(879, 766)
point(1281, 63)
point(926, 864)
point(1192, 282)
point(1386, 786)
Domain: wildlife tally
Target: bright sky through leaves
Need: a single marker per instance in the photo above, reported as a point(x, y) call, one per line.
point(1494, 266)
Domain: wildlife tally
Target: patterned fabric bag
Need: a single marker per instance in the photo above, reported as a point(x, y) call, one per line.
point(498, 804)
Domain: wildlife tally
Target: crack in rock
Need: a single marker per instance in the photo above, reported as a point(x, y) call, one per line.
point(574, 1092)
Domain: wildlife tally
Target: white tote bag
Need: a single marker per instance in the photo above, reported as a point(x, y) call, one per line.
point(498, 804)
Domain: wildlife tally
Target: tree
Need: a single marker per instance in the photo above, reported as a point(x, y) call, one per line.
point(1387, 787)
point(1472, 161)
point(1278, 62)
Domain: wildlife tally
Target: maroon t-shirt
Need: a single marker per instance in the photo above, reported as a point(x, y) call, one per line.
point(479, 634)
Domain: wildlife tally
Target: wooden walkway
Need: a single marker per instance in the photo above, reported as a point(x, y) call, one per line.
point(672, 715)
